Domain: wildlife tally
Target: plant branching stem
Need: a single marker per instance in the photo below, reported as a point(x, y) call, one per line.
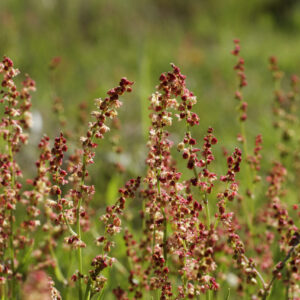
point(79, 251)
point(165, 237)
point(205, 199)
point(249, 180)
point(269, 286)
point(257, 273)
point(165, 233)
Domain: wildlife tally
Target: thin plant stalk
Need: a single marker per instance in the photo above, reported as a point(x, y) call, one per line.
point(79, 251)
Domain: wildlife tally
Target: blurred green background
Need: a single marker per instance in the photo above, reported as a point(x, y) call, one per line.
point(100, 41)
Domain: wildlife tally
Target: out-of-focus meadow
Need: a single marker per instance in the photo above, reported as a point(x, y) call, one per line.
point(95, 42)
point(99, 41)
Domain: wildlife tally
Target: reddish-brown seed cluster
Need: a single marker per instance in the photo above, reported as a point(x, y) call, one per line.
point(276, 216)
point(233, 163)
point(277, 74)
point(240, 71)
point(39, 285)
point(239, 67)
point(15, 120)
point(107, 109)
point(40, 187)
point(65, 206)
point(56, 160)
point(120, 294)
point(286, 121)
point(285, 106)
point(255, 159)
point(187, 244)
point(112, 223)
point(112, 219)
point(228, 219)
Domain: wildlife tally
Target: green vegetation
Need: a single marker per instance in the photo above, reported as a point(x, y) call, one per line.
point(75, 50)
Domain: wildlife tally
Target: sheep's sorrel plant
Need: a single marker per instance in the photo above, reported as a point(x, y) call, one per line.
point(188, 232)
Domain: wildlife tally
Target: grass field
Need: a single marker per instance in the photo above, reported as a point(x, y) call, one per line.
point(78, 50)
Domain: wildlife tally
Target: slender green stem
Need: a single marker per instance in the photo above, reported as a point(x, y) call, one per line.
point(250, 173)
point(11, 241)
point(225, 204)
point(79, 252)
point(157, 294)
point(68, 274)
point(58, 273)
point(184, 273)
point(63, 212)
point(205, 200)
point(3, 292)
point(87, 295)
point(68, 224)
point(287, 288)
point(57, 270)
point(153, 239)
point(263, 283)
point(245, 143)
point(249, 180)
point(162, 209)
point(208, 295)
point(12, 184)
point(165, 237)
point(101, 293)
point(228, 294)
point(267, 288)
point(248, 214)
point(11, 236)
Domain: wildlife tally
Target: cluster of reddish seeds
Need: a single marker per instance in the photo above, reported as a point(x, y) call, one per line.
point(276, 216)
point(186, 242)
point(39, 285)
point(285, 110)
point(16, 119)
point(286, 121)
point(255, 159)
point(74, 205)
point(285, 106)
point(112, 226)
point(107, 109)
point(191, 242)
point(247, 266)
point(111, 218)
point(78, 162)
point(174, 241)
point(62, 207)
point(239, 68)
point(81, 193)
